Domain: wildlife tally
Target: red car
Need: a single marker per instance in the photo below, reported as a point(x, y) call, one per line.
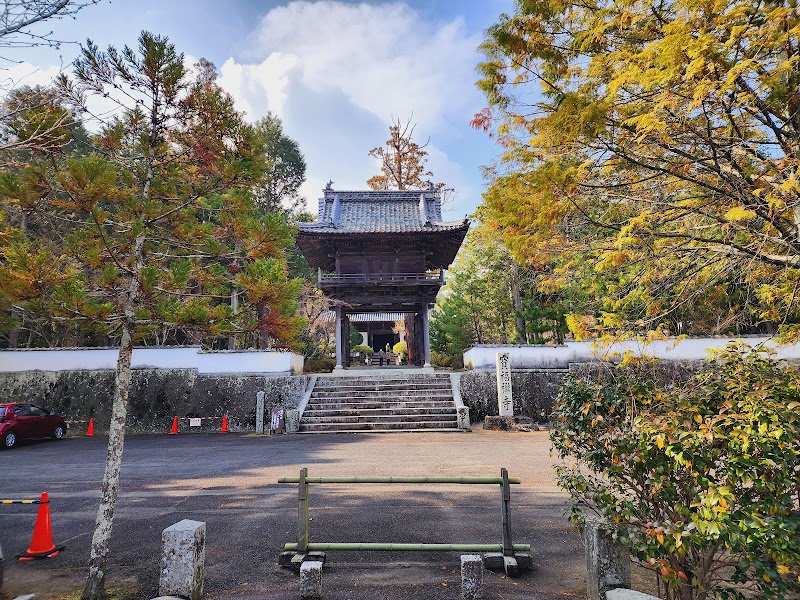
point(22, 421)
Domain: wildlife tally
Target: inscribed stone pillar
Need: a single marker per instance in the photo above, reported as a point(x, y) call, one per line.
point(260, 412)
point(504, 400)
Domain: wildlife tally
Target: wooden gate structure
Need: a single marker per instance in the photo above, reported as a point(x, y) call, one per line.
point(381, 251)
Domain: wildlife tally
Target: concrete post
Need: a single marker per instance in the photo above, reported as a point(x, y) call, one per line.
point(471, 576)
point(623, 594)
point(463, 417)
point(608, 562)
point(311, 579)
point(292, 420)
point(339, 338)
point(183, 554)
point(260, 412)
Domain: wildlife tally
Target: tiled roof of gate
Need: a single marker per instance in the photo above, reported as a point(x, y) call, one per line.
point(407, 211)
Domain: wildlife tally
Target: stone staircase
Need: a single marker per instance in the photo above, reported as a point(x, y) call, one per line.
point(385, 402)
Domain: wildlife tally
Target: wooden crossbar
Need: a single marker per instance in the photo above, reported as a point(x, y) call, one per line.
point(420, 480)
point(303, 546)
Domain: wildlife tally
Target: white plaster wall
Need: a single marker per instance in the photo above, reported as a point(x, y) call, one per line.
point(249, 362)
point(91, 359)
point(296, 362)
point(162, 358)
point(57, 360)
point(551, 356)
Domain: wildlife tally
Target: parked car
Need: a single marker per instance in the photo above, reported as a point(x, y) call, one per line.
point(21, 421)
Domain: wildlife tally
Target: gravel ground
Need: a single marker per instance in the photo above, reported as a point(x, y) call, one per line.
point(229, 481)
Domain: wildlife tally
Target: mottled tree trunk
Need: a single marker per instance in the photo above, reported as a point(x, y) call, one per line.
point(95, 581)
point(98, 554)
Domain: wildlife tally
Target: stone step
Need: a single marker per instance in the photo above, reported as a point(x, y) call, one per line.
point(383, 385)
point(337, 412)
point(378, 405)
point(391, 403)
point(376, 419)
point(373, 426)
point(382, 394)
point(385, 375)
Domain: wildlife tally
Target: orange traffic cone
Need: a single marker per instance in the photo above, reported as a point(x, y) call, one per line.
point(42, 545)
point(174, 429)
point(224, 423)
point(90, 431)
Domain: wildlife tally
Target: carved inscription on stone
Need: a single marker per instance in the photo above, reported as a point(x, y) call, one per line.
point(504, 400)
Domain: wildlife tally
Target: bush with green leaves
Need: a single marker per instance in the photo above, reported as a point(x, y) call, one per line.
point(701, 478)
point(319, 365)
point(361, 349)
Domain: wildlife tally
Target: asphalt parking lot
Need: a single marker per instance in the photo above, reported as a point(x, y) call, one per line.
point(229, 481)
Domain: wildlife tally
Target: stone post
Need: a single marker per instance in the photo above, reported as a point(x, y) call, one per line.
point(471, 576)
point(463, 417)
point(311, 579)
point(260, 412)
point(292, 420)
point(504, 400)
point(608, 563)
point(183, 554)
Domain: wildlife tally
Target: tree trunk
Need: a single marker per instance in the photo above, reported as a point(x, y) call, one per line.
point(262, 311)
point(234, 310)
point(98, 554)
point(95, 581)
point(13, 336)
point(521, 334)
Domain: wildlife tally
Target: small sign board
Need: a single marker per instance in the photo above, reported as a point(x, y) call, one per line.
point(278, 422)
point(195, 422)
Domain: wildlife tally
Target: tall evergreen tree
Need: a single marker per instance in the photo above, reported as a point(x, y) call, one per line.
point(161, 222)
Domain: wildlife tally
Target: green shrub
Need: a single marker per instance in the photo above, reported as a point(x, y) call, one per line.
point(700, 477)
point(362, 348)
point(441, 359)
point(318, 365)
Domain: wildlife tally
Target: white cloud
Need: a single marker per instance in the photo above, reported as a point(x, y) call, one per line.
point(27, 74)
point(261, 87)
point(337, 73)
point(384, 58)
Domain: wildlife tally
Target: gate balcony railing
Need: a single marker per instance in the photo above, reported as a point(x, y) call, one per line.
point(350, 278)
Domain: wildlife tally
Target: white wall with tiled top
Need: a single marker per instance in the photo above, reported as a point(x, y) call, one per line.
point(560, 356)
point(91, 359)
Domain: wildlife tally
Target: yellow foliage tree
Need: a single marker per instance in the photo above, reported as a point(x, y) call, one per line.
point(652, 144)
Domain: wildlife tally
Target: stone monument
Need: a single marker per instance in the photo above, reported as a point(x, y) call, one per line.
point(504, 400)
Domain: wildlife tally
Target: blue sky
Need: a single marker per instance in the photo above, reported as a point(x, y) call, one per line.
point(336, 72)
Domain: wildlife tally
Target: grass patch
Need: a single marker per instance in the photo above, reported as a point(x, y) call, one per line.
point(116, 591)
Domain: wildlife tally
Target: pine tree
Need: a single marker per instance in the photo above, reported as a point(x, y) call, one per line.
point(162, 227)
